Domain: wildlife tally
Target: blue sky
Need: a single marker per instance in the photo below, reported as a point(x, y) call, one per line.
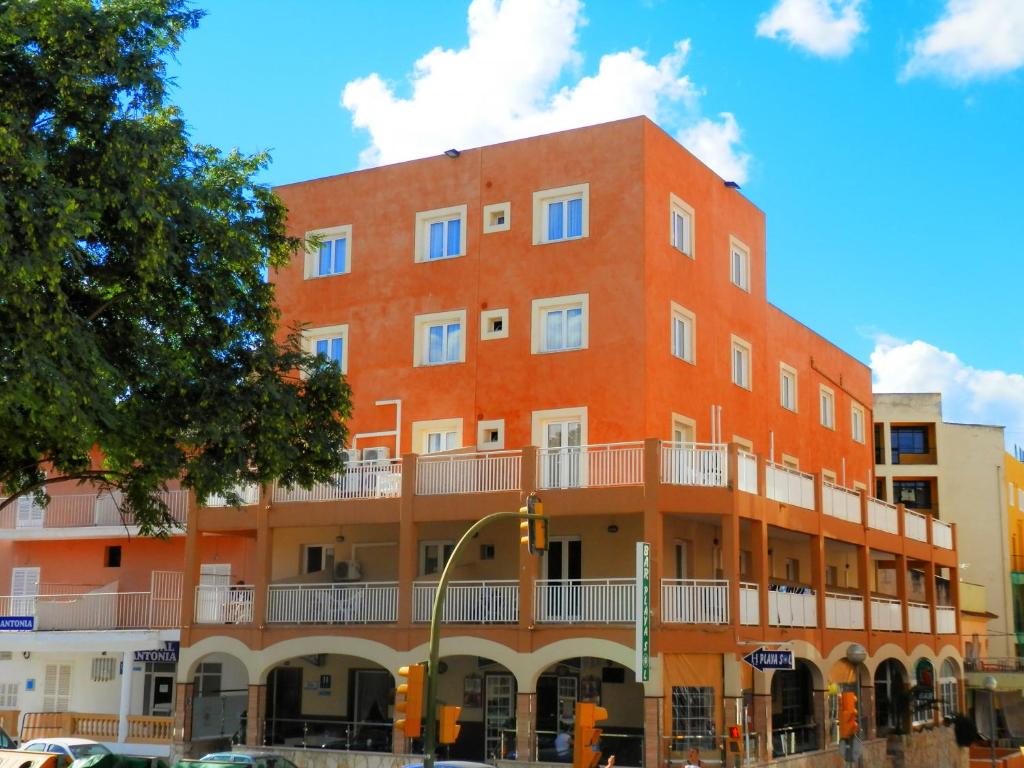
point(883, 138)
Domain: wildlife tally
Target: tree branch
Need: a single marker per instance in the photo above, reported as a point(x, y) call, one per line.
point(89, 474)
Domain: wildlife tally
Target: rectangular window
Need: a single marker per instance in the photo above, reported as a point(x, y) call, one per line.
point(8, 696)
point(787, 387)
point(330, 342)
point(909, 440)
point(693, 717)
point(741, 363)
point(565, 219)
point(314, 557)
point(857, 423)
point(333, 255)
point(439, 338)
point(436, 435)
point(827, 398)
point(561, 214)
point(103, 669)
point(792, 569)
point(434, 555)
point(112, 556)
point(441, 233)
point(684, 324)
point(681, 225)
point(916, 494)
point(440, 441)
point(332, 348)
point(560, 324)
point(739, 264)
point(445, 237)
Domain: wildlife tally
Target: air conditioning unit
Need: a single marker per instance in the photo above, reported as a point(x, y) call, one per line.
point(348, 570)
point(375, 454)
point(351, 454)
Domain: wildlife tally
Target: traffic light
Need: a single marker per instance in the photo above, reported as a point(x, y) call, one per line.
point(586, 738)
point(535, 530)
point(848, 715)
point(450, 727)
point(411, 703)
point(734, 753)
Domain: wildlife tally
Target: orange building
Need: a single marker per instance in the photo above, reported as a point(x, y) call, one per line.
point(583, 314)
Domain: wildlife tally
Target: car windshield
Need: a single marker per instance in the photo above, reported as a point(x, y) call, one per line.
point(87, 750)
point(5, 740)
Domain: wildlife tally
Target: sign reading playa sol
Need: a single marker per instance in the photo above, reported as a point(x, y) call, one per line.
point(17, 623)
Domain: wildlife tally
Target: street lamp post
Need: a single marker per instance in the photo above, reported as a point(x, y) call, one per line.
point(990, 684)
point(856, 655)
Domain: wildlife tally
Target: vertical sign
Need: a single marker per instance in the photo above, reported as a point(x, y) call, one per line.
point(643, 611)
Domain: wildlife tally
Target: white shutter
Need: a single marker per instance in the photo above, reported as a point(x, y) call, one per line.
point(30, 514)
point(8, 695)
point(57, 688)
point(24, 588)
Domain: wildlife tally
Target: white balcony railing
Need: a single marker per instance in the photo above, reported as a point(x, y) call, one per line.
point(945, 620)
point(746, 468)
point(370, 479)
point(886, 615)
point(468, 473)
point(789, 486)
point(695, 601)
point(942, 534)
point(82, 510)
point(104, 608)
point(844, 611)
point(883, 516)
point(840, 502)
point(222, 604)
point(584, 601)
point(919, 618)
point(703, 464)
point(469, 602)
point(362, 603)
point(591, 466)
point(248, 493)
point(792, 609)
point(915, 525)
point(750, 604)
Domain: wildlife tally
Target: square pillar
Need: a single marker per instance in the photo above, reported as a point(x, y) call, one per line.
point(731, 564)
point(526, 704)
point(529, 565)
point(867, 709)
point(190, 572)
point(864, 583)
point(817, 542)
point(261, 578)
point(407, 555)
point(125, 705)
point(653, 749)
point(653, 530)
point(182, 733)
point(760, 566)
point(820, 717)
point(256, 714)
point(762, 720)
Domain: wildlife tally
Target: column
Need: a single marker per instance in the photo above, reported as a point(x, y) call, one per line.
point(731, 563)
point(261, 579)
point(653, 530)
point(529, 565)
point(190, 574)
point(864, 583)
point(653, 719)
point(760, 566)
point(256, 713)
point(125, 705)
point(817, 542)
point(183, 713)
point(901, 592)
point(929, 596)
point(407, 555)
point(526, 705)
point(867, 708)
point(762, 714)
point(820, 716)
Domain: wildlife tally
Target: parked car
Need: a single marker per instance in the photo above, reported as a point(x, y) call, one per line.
point(253, 760)
point(72, 749)
point(6, 742)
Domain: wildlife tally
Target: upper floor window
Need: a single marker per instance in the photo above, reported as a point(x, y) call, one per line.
point(561, 214)
point(439, 338)
point(334, 254)
point(436, 435)
point(787, 386)
point(857, 422)
point(560, 323)
point(441, 233)
point(444, 440)
point(681, 225)
point(741, 362)
point(330, 342)
point(908, 440)
point(434, 555)
point(828, 407)
point(739, 264)
point(684, 330)
point(916, 494)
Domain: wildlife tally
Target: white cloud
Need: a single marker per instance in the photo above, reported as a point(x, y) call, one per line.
point(972, 39)
point(716, 144)
point(508, 83)
point(969, 394)
point(823, 27)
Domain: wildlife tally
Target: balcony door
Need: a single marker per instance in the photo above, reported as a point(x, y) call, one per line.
point(30, 514)
point(561, 464)
point(24, 588)
point(214, 586)
point(563, 569)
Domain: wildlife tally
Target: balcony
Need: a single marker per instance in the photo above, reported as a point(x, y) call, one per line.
point(792, 608)
point(470, 602)
point(585, 601)
point(248, 494)
point(883, 516)
point(591, 466)
point(468, 473)
point(222, 604)
point(29, 520)
point(695, 601)
point(365, 603)
point(843, 503)
point(919, 618)
point(945, 620)
point(915, 525)
point(746, 468)
point(370, 479)
point(700, 464)
point(886, 614)
point(789, 486)
point(844, 611)
point(942, 534)
point(750, 604)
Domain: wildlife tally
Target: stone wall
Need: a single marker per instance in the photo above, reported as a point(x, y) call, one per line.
point(932, 748)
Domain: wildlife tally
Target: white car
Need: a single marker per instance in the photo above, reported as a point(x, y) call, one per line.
point(73, 749)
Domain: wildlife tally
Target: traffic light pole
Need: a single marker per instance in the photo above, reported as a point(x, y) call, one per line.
point(430, 706)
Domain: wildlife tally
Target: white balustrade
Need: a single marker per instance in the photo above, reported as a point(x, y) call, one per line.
point(787, 608)
point(102, 609)
point(695, 601)
point(883, 516)
point(702, 464)
point(915, 525)
point(248, 494)
point(584, 601)
point(840, 502)
point(591, 466)
point(945, 620)
point(374, 602)
point(468, 473)
point(224, 604)
point(82, 510)
point(746, 468)
point(844, 611)
point(919, 618)
point(469, 602)
point(370, 479)
point(942, 534)
point(886, 615)
point(750, 604)
point(789, 486)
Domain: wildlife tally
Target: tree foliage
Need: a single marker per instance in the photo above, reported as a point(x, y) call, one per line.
point(139, 341)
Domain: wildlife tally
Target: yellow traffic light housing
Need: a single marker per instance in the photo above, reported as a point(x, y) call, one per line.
point(534, 531)
point(410, 705)
point(449, 717)
point(587, 738)
point(848, 725)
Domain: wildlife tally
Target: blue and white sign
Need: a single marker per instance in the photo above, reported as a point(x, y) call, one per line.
point(765, 658)
point(17, 623)
point(166, 655)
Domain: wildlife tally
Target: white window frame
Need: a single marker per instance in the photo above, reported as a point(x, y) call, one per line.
point(487, 316)
point(541, 200)
point(312, 335)
point(744, 443)
point(746, 380)
point(312, 258)
point(827, 406)
point(682, 423)
point(9, 695)
point(441, 544)
point(422, 430)
point(492, 214)
point(325, 550)
point(540, 310)
point(540, 420)
point(789, 372)
point(790, 462)
point(423, 221)
point(421, 324)
point(484, 427)
point(681, 316)
point(858, 420)
point(679, 207)
point(739, 254)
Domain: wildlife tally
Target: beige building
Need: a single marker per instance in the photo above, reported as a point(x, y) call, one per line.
point(953, 472)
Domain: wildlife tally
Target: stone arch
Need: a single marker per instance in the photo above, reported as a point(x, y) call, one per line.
point(463, 645)
point(193, 655)
point(311, 645)
point(552, 653)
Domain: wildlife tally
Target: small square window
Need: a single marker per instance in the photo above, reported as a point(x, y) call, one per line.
point(490, 435)
point(112, 556)
point(333, 255)
point(497, 217)
point(494, 324)
point(739, 264)
point(441, 233)
point(741, 375)
point(561, 214)
point(681, 219)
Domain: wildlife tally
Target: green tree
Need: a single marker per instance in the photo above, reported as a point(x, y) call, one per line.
point(139, 340)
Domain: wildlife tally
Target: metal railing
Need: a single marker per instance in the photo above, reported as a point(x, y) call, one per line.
point(695, 601)
point(945, 620)
point(369, 479)
point(218, 604)
point(701, 464)
point(104, 608)
point(584, 601)
point(746, 468)
point(750, 604)
point(942, 534)
point(248, 493)
point(915, 525)
point(789, 486)
point(327, 733)
point(468, 473)
point(844, 611)
point(883, 516)
point(886, 614)
point(591, 466)
point(220, 715)
point(919, 618)
point(840, 502)
point(788, 608)
point(362, 603)
point(83, 510)
point(470, 602)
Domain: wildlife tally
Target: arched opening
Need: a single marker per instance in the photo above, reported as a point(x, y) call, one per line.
point(922, 694)
point(793, 723)
point(949, 687)
point(599, 681)
point(890, 698)
point(220, 698)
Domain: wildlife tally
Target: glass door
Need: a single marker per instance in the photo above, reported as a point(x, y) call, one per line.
point(562, 466)
point(499, 716)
